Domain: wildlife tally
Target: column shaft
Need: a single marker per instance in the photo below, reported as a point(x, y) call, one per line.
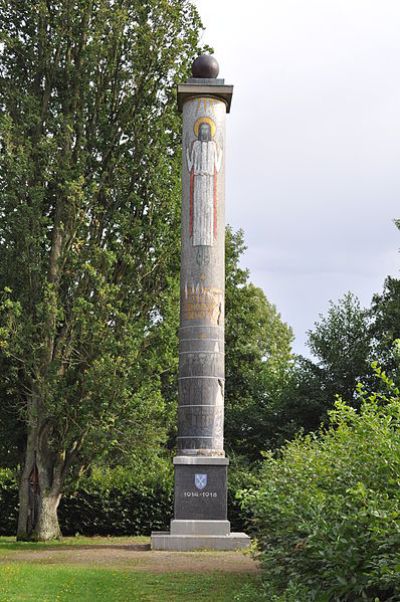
point(201, 351)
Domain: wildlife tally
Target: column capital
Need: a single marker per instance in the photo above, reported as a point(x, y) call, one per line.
point(206, 87)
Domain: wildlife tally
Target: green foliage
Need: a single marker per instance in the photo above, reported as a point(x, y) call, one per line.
point(8, 502)
point(326, 513)
point(266, 592)
point(385, 322)
point(242, 474)
point(89, 225)
point(122, 511)
point(258, 357)
point(301, 405)
point(341, 343)
point(130, 500)
point(109, 502)
point(12, 432)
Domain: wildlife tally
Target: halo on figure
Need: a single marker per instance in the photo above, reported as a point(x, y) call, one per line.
point(201, 120)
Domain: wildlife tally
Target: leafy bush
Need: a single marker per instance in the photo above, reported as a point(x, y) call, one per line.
point(327, 510)
point(242, 474)
point(8, 502)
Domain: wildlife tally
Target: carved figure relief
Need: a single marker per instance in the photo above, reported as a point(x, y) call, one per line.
point(204, 160)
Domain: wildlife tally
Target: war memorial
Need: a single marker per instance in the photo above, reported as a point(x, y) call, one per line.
point(201, 467)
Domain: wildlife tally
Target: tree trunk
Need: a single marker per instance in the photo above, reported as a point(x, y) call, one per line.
point(38, 518)
point(38, 521)
point(48, 527)
point(40, 488)
point(27, 501)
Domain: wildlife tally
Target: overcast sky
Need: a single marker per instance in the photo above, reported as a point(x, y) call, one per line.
point(313, 148)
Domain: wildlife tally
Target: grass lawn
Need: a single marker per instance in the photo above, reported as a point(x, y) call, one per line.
point(9, 544)
point(48, 581)
point(20, 582)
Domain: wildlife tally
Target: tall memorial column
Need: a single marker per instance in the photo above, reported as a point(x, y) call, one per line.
point(200, 509)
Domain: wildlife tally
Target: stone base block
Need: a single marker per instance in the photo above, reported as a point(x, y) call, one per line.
point(200, 527)
point(164, 540)
point(201, 489)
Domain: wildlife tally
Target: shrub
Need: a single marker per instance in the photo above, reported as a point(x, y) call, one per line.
point(242, 474)
point(8, 502)
point(327, 511)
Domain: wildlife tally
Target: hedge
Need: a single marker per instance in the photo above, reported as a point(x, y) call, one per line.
point(97, 510)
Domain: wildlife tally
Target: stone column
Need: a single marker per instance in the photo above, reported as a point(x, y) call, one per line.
point(200, 514)
point(201, 354)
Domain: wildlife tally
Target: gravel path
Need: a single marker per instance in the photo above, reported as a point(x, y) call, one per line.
point(137, 557)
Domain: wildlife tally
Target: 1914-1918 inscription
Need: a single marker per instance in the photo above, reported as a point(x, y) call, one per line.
point(200, 498)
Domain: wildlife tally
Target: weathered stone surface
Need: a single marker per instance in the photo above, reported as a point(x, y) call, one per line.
point(196, 460)
point(202, 363)
point(190, 543)
point(206, 390)
point(206, 340)
point(200, 527)
point(212, 88)
point(201, 356)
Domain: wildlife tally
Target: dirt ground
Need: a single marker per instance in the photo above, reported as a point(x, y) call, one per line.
point(138, 557)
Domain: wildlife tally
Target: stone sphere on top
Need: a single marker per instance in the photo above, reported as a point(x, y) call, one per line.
point(205, 67)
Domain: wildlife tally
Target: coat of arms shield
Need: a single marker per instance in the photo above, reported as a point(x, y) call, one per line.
point(200, 480)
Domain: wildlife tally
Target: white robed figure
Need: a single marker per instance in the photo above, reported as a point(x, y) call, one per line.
point(204, 162)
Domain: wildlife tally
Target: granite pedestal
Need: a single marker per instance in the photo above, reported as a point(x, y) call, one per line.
point(200, 511)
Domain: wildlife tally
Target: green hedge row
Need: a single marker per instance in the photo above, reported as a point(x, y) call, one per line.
point(94, 510)
point(8, 503)
point(115, 512)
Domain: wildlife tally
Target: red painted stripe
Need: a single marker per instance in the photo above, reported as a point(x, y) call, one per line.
point(215, 203)
point(191, 202)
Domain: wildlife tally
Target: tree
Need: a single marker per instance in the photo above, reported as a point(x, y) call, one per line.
point(302, 404)
point(258, 358)
point(385, 323)
point(341, 343)
point(89, 207)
